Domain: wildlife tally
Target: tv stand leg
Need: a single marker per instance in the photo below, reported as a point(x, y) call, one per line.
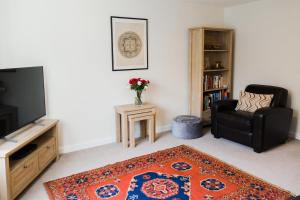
point(4, 180)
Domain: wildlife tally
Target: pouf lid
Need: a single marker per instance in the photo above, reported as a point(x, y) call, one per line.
point(187, 119)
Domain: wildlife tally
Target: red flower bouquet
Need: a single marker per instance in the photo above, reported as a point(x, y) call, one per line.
point(138, 85)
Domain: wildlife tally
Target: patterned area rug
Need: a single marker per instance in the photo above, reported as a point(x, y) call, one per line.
point(179, 173)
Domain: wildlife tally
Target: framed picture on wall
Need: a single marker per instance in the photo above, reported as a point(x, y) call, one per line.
point(129, 41)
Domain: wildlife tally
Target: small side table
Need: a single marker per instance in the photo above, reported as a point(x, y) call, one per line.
point(127, 115)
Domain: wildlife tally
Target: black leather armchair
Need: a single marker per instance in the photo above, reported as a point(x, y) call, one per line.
point(263, 129)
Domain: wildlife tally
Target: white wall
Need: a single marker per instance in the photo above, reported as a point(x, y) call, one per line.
point(71, 38)
point(267, 47)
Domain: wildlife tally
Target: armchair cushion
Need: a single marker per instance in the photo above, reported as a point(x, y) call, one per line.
point(251, 102)
point(240, 120)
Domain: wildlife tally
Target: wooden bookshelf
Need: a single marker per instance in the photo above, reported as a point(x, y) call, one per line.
point(211, 67)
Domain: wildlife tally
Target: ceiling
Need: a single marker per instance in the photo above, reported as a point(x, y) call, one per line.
point(225, 3)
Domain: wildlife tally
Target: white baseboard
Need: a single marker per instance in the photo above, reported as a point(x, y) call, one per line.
point(85, 145)
point(95, 143)
point(294, 136)
point(297, 136)
point(164, 128)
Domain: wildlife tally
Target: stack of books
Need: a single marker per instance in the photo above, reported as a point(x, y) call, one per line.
point(212, 82)
point(209, 99)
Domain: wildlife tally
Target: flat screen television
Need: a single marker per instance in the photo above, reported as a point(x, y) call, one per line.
point(22, 98)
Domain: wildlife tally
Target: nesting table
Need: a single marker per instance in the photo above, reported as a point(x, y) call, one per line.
point(127, 115)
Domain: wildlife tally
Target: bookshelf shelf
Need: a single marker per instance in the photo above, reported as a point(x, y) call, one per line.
point(215, 89)
point(216, 70)
point(211, 47)
point(207, 110)
point(216, 50)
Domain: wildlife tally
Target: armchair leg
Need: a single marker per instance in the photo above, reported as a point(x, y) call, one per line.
point(216, 136)
point(258, 150)
point(283, 142)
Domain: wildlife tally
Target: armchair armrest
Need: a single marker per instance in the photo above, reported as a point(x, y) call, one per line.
point(218, 106)
point(270, 127)
point(224, 105)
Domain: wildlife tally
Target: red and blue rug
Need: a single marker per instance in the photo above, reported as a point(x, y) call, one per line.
point(179, 173)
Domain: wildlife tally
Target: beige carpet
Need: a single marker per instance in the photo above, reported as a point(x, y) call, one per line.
point(279, 166)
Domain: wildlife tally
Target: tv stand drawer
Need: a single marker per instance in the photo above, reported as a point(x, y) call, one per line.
point(23, 174)
point(46, 153)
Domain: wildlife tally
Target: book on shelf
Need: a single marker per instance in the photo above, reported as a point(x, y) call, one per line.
point(209, 99)
point(225, 95)
point(212, 82)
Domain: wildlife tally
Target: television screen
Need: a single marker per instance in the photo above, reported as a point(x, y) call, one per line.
point(22, 98)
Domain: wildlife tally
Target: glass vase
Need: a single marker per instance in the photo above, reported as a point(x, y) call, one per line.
point(138, 98)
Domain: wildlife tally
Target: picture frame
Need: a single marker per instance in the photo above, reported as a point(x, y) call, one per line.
point(129, 43)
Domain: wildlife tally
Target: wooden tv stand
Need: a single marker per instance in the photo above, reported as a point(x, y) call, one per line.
point(16, 175)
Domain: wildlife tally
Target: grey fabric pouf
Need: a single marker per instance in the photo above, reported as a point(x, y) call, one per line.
point(187, 127)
